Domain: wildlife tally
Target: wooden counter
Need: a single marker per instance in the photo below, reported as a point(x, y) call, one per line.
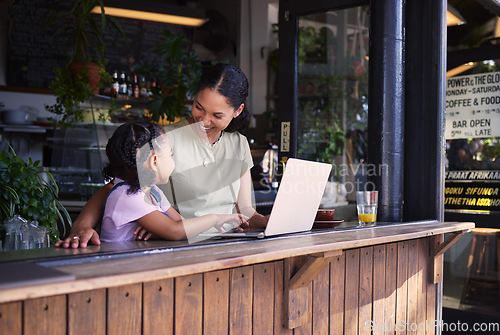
point(338, 281)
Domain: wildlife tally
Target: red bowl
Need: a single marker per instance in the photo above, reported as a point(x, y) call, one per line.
point(325, 215)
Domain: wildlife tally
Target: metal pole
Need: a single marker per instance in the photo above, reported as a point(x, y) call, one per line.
point(386, 106)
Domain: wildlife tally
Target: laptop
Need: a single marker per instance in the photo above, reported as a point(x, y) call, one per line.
point(297, 201)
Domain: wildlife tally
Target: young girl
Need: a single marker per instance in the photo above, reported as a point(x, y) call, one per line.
point(140, 157)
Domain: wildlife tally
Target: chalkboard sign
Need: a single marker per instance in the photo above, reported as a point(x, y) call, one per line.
point(474, 191)
point(33, 54)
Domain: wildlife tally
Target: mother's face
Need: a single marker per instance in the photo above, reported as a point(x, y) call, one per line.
point(212, 111)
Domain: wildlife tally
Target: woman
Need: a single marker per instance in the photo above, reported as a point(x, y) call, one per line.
point(211, 155)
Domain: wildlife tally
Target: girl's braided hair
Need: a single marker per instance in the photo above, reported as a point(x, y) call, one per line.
point(122, 151)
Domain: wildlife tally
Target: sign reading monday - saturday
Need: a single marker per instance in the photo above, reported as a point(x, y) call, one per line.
point(473, 106)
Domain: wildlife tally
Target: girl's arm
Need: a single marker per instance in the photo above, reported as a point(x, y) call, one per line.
point(82, 230)
point(166, 228)
point(141, 233)
point(244, 203)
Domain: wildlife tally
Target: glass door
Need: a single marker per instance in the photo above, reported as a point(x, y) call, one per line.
point(329, 114)
point(333, 86)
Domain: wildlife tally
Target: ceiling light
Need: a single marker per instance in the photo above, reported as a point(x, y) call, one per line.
point(459, 69)
point(154, 12)
point(453, 17)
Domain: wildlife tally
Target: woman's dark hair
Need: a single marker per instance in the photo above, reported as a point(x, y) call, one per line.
point(122, 150)
point(232, 83)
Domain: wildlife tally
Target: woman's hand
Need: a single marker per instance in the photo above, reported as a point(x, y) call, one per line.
point(258, 221)
point(79, 238)
point(82, 230)
point(234, 219)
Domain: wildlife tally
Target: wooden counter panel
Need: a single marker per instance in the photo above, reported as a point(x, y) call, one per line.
point(45, 315)
point(172, 263)
point(360, 290)
point(263, 298)
point(11, 318)
point(379, 280)
point(124, 310)
point(216, 302)
point(188, 307)
point(401, 284)
point(158, 307)
point(391, 262)
point(337, 298)
point(278, 319)
point(412, 281)
point(352, 277)
point(423, 256)
point(321, 302)
point(87, 312)
point(240, 300)
point(365, 289)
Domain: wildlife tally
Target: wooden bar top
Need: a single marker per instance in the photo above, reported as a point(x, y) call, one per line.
point(161, 259)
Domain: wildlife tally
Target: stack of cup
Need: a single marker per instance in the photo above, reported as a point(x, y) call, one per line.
point(34, 236)
point(13, 233)
point(21, 235)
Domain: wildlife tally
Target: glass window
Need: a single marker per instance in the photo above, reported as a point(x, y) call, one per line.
point(473, 138)
point(472, 186)
point(333, 94)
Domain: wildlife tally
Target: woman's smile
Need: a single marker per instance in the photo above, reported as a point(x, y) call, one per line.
point(205, 129)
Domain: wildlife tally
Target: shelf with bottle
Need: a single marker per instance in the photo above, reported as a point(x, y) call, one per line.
point(131, 87)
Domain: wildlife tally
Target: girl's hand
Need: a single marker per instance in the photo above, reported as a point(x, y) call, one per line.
point(235, 219)
point(141, 233)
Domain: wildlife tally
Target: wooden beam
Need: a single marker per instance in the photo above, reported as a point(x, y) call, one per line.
point(436, 263)
point(438, 248)
point(449, 242)
point(295, 302)
point(296, 294)
point(315, 264)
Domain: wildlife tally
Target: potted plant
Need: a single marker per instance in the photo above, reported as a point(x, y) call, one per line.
point(84, 72)
point(178, 73)
point(29, 191)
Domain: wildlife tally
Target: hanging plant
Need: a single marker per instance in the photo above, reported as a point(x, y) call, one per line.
point(178, 73)
point(84, 72)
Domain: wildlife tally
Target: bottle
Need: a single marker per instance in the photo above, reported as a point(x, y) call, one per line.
point(152, 87)
point(143, 87)
point(115, 84)
point(135, 87)
point(130, 89)
point(123, 83)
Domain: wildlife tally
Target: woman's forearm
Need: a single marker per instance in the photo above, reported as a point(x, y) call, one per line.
point(247, 211)
point(193, 227)
point(82, 231)
point(91, 213)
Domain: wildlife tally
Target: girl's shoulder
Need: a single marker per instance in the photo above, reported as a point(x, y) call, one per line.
point(120, 190)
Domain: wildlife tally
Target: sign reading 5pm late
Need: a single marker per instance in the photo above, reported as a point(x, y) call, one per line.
point(473, 106)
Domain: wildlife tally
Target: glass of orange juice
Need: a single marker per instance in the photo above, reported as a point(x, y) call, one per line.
point(367, 202)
